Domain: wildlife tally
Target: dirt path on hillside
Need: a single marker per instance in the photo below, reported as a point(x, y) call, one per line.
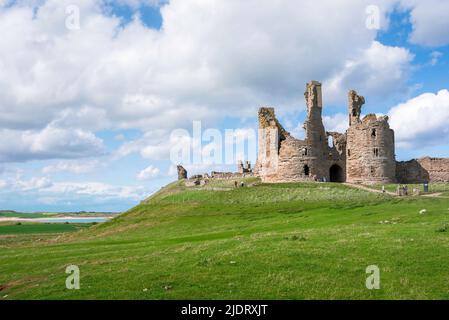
point(435, 195)
point(361, 187)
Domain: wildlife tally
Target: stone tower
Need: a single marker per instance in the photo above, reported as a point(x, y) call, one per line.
point(316, 138)
point(182, 173)
point(370, 146)
point(270, 135)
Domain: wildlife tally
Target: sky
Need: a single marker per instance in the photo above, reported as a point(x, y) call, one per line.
point(100, 98)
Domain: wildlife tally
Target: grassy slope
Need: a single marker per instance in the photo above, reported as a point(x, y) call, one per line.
point(291, 241)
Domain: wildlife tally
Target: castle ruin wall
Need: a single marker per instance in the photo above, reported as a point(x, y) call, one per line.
point(423, 170)
point(364, 154)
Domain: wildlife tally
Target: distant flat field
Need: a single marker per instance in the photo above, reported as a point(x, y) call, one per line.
point(263, 241)
point(13, 214)
point(18, 229)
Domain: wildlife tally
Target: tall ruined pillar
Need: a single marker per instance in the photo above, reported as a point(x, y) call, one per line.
point(315, 133)
point(316, 138)
point(269, 144)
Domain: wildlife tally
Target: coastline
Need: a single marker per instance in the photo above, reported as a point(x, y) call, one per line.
point(43, 220)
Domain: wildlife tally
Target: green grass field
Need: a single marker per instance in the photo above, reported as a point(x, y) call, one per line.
point(19, 229)
point(281, 241)
point(14, 214)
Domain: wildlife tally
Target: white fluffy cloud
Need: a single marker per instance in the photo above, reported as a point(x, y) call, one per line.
point(435, 57)
point(137, 3)
point(77, 167)
point(153, 145)
point(148, 173)
point(51, 142)
point(33, 184)
point(422, 121)
point(337, 123)
point(379, 70)
point(430, 22)
point(97, 189)
point(44, 187)
point(210, 59)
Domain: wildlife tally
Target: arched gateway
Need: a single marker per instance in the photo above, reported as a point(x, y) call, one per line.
point(336, 174)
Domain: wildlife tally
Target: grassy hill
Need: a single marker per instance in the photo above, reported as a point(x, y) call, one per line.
point(280, 241)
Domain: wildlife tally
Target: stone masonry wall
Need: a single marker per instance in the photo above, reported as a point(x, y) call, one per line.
point(370, 153)
point(293, 161)
point(283, 158)
point(270, 135)
point(370, 146)
point(423, 170)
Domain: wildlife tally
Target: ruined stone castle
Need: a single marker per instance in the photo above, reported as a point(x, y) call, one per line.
point(364, 154)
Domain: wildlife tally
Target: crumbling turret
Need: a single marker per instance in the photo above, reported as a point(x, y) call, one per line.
point(315, 133)
point(355, 107)
point(370, 146)
point(244, 168)
point(182, 173)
